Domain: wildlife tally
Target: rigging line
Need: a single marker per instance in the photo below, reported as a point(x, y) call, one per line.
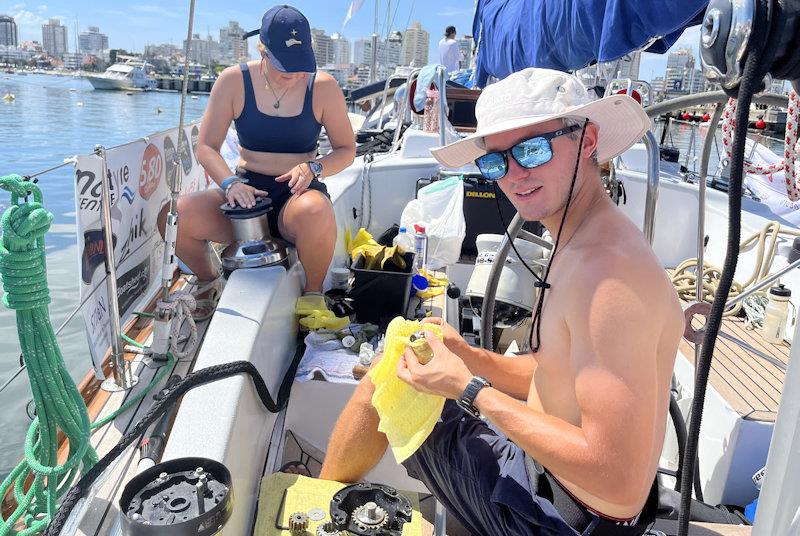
point(394, 15)
point(410, 12)
point(67, 162)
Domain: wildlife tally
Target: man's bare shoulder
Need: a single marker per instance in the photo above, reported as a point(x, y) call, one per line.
point(619, 281)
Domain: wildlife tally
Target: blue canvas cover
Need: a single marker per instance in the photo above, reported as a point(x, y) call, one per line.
point(572, 34)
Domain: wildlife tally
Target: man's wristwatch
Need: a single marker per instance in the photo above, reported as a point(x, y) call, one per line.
point(467, 400)
point(316, 168)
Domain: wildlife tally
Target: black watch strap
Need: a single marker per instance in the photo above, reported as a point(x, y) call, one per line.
point(467, 400)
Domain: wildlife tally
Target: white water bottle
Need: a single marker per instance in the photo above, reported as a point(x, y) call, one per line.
point(404, 241)
point(776, 314)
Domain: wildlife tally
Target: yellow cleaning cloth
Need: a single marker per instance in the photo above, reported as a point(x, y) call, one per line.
point(407, 416)
point(283, 494)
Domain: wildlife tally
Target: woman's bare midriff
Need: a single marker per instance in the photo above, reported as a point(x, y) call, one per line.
point(272, 163)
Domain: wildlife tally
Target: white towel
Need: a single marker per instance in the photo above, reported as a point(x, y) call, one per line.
point(327, 358)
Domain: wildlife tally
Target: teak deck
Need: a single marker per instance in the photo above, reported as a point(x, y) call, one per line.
point(749, 383)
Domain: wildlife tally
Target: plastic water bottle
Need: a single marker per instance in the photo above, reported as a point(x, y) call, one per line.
point(776, 314)
point(420, 247)
point(404, 240)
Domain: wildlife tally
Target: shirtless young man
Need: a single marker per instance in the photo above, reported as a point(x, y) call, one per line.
point(597, 387)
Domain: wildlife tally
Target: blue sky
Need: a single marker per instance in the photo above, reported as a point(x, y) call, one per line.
point(131, 25)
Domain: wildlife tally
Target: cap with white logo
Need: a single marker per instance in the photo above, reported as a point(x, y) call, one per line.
point(287, 37)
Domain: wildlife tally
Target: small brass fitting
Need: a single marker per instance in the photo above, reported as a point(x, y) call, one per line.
point(421, 348)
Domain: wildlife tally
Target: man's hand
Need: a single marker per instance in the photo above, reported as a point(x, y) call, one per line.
point(452, 339)
point(445, 375)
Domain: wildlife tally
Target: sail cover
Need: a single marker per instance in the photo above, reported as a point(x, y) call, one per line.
point(572, 34)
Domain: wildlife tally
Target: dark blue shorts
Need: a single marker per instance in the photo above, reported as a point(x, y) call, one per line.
point(479, 476)
point(279, 193)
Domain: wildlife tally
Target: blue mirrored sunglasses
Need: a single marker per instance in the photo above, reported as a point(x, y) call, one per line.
point(529, 154)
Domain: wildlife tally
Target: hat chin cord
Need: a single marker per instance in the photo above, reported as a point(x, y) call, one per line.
point(541, 282)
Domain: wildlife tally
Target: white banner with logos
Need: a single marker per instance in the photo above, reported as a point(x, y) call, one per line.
point(140, 173)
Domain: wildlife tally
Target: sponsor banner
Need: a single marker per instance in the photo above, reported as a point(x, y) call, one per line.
point(138, 175)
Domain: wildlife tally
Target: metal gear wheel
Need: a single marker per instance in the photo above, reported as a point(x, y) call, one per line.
point(327, 529)
point(298, 523)
point(370, 517)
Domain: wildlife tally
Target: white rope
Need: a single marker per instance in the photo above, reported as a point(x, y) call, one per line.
point(755, 308)
point(181, 304)
point(788, 164)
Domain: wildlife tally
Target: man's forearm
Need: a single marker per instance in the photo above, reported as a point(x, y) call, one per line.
point(510, 374)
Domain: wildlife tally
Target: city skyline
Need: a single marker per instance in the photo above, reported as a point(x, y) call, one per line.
point(150, 24)
point(171, 28)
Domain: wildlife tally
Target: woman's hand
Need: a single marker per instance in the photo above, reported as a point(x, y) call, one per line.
point(299, 177)
point(243, 195)
point(445, 375)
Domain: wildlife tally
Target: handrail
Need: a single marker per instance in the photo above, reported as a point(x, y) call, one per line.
point(762, 284)
point(413, 75)
point(385, 95)
point(653, 176)
point(442, 82)
point(711, 97)
point(123, 379)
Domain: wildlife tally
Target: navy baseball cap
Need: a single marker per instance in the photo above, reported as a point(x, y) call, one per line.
point(287, 36)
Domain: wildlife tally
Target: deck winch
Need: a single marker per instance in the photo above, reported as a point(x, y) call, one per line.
point(370, 510)
point(253, 245)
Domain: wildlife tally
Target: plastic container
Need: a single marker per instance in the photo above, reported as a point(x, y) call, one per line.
point(776, 314)
point(404, 240)
point(379, 296)
point(420, 247)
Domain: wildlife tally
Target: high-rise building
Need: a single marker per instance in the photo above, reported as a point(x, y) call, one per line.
point(203, 51)
point(680, 70)
point(54, 38)
point(415, 46)
point(360, 48)
point(341, 49)
point(232, 48)
point(465, 46)
point(8, 31)
point(92, 41)
point(322, 45)
point(628, 66)
point(394, 49)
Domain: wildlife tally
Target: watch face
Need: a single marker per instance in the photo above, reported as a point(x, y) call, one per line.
point(316, 168)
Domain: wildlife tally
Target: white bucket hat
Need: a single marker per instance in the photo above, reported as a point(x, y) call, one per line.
point(533, 96)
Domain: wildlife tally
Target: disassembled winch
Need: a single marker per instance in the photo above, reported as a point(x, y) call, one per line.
point(185, 496)
point(370, 510)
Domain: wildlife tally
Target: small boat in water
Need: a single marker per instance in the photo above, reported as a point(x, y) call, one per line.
point(128, 75)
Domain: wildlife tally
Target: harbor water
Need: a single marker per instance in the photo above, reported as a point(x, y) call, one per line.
point(53, 118)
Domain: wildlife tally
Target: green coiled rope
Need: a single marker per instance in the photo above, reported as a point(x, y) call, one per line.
point(59, 405)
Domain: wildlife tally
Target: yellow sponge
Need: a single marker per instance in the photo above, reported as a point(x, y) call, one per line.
point(407, 416)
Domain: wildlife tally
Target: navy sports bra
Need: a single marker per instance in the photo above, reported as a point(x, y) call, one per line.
point(272, 134)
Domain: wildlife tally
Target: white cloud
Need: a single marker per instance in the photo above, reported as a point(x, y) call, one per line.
point(42, 8)
point(17, 7)
point(29, 25)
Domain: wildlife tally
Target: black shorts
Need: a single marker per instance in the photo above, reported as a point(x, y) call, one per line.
point(279, 193)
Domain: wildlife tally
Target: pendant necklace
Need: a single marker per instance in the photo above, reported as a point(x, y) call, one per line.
point(277, 99)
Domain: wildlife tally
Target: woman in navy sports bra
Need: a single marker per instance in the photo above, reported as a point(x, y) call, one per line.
point(279, 105)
